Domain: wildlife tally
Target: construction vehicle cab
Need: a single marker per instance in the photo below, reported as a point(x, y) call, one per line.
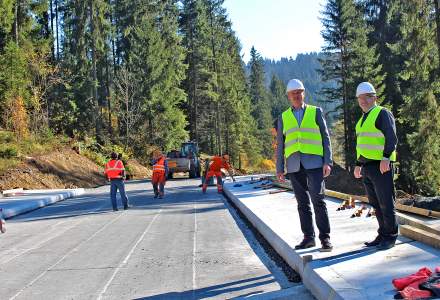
point(185, 160)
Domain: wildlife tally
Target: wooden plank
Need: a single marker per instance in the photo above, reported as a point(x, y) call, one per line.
point(279, 191)
point(418, 211)
point(420, 235)
point(329, 193)
point(406, 219)
point(344, 196)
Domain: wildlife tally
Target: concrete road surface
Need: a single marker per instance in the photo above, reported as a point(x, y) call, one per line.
point(187, 246)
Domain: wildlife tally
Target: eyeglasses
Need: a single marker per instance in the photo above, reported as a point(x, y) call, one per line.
point(296, 92)
point(366, 96)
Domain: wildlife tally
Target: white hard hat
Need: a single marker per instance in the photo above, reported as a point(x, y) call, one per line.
point(365, 88)
point(294, 84)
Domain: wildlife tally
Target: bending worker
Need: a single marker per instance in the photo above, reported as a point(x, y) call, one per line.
point(303, 142)
point(160, 172)
point(218, 163)
point(115, 172)
point(376, 151)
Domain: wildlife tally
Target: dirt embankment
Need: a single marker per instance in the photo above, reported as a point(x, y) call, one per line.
point(61, 169)
point(343, 181)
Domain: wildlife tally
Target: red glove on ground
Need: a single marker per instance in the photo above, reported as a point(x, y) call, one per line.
point(401, 283)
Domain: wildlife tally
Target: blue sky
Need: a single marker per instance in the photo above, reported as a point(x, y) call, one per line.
point(277, 28)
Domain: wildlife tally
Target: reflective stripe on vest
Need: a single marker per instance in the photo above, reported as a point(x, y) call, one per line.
point(370, 141)
point(115, 170)
point(305, 138)
point(159, 166)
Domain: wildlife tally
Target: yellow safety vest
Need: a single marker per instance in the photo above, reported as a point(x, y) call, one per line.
point(370, 141)
point(305, 138)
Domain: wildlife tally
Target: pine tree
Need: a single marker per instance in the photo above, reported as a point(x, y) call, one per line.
point(85, 52)
point(219, 104)
point(278, 97)
point(261, 110)
point(201, 80)
point(383, 16)
point(156, 60)
point(24, 48)
point(239, 129)
point(418, 120)
point(348, 60)
point(6, 21)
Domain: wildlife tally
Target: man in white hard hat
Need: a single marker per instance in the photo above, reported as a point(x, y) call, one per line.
point(303, 147)
point(376, 143)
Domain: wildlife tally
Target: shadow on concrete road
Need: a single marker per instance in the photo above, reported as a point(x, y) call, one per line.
point(215, 290)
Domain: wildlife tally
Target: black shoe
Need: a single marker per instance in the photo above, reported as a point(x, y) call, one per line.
point(373, 243)
point(326, 246)
point(306, 243)
point(386, 244)
point(155, 196)
point(126, 207)
point(115, 209)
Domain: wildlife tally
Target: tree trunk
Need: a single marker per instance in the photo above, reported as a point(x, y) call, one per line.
point(214, 66)
point(127, 127)
point(228, 150)
point(52, 30)
point(57, 29)
point(345, 109)
point(109, 107)
point(194, 99)
point(150, 129)
point(46, 26)
point(437, 21)
point(16, 12)
point(94, 75)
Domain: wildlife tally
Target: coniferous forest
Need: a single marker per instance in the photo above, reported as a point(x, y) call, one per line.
point(158, 72)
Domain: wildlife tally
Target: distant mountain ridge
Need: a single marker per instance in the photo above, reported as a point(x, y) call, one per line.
point(304, 67)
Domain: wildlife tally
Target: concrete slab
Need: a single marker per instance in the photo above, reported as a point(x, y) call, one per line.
point(34, 199)
point(350, 271)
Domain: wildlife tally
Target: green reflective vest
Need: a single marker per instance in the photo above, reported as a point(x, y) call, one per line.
point(305, 138)
point(370, 141)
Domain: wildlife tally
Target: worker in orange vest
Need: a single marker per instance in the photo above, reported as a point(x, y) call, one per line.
point(115, 172)
point(218, 163)
point(160, 172)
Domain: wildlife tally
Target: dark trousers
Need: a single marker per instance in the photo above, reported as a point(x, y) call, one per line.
point(159, 188)
point(309, 185)
point(381, 195)
point(115, 185)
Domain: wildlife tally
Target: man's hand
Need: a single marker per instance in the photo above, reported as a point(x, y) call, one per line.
point(384, 166)
point(231, 172)
point(326, 170)
point(357, 172)
point(280, 177)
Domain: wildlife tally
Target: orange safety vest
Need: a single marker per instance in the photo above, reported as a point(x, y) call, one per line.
point(159, 166)
point(217, 164)
point(114, 169)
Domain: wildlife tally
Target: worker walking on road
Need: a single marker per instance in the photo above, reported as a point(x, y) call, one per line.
point(160, 172)
point(218, 163)
point(376, 151)
point(303, 145)
point(115, 172)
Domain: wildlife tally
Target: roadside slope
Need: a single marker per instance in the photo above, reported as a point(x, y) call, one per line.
point(60, 169)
